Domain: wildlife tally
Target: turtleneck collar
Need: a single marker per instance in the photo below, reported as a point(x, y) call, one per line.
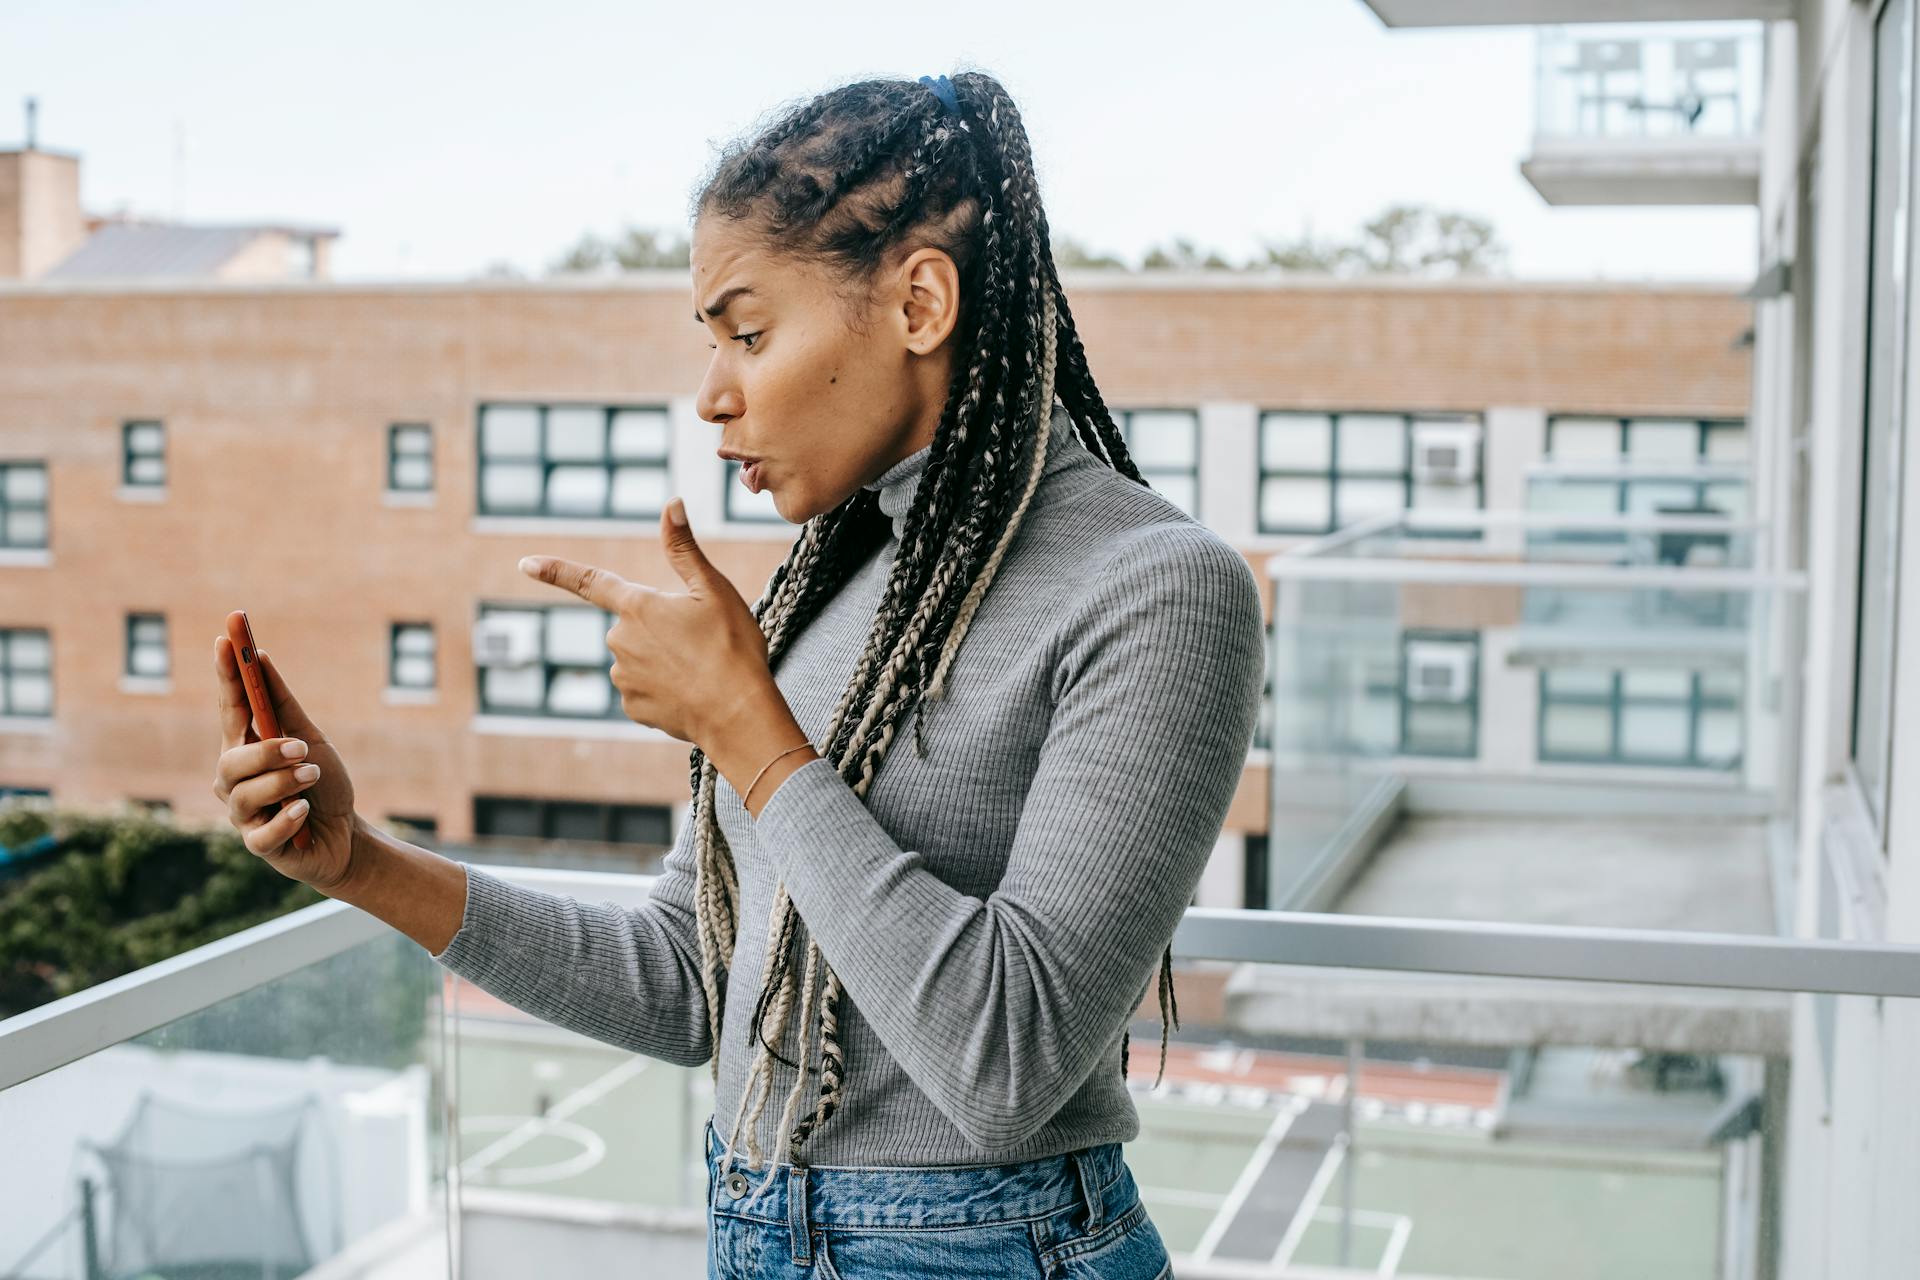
point(897, 483)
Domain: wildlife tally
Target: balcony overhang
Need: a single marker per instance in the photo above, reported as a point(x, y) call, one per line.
point(1531, 13)
point(1645, 171)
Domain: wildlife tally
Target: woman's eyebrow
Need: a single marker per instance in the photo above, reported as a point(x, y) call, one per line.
point(718, 306)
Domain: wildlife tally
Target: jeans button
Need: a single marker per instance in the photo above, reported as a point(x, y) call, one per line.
point(736, 1184)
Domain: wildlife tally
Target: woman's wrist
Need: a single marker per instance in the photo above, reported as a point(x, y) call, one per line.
point(758, 746)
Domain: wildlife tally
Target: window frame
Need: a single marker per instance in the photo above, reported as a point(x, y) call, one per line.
point(44, 506)
point(614, 711)
point(394, 430)
point(548, 808)
point(133, 621)
point(8, 671)
point(128, 454)
point(394, 628)
point(1704, 431)
point(1123, 419)
point(1443, 635)
point(1617, 701)
point(547, 464)
point(1333, 475)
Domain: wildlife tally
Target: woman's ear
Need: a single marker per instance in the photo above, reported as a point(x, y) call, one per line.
point(931, 306)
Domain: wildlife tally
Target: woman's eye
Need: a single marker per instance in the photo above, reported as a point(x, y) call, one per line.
point(746, 339)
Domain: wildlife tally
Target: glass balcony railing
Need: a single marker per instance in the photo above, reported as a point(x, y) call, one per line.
point(1345, 1094)
point(1637, 82)
point(1443, 708)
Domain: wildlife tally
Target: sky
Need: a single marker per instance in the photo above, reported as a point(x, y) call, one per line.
point(441, 138)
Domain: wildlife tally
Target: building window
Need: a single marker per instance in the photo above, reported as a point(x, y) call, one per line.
point(143, 454)
point(1165, 447)
point(1876, 629)
point(1321, 471)
point(545, 660)
point(26, 672)
point(410, 457)
point(573, 460)
point(1254, 873)
point(23, 504)
point(25, 798)
point(1668, 450)
point(1688, 719)
point(158, 810)
point(147, 645)
point(745, 506)
point(1419, 697)
point(410, 656)
point(532, 819)
point(415, 829)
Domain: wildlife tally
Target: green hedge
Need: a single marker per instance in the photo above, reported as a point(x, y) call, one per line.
point(126, 891)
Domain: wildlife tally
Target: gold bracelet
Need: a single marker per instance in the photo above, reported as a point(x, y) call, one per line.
point(763, 771)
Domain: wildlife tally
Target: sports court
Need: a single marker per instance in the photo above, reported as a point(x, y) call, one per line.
point(1239, 1158)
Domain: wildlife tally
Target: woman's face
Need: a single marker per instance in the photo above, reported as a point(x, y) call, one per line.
point(828, 390)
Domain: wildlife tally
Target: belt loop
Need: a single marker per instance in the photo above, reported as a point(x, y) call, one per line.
point(797, 1215)
point(1089, 1175)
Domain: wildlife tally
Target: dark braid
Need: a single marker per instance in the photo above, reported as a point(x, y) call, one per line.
point(854, 179)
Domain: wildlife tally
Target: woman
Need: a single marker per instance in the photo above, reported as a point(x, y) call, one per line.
point(969, 924)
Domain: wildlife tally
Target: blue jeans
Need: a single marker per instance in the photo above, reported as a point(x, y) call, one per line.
point(1077, 1216)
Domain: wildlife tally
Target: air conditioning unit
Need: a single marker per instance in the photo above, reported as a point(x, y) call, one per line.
point(1446, 452)
point(506, 639)
point(1439, 672)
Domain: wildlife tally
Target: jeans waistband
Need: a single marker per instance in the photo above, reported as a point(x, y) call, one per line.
point(912, 1196)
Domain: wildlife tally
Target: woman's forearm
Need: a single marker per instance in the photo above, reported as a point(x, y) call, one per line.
point(415, 890)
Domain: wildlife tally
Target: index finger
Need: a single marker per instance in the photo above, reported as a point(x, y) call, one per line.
point(594, 585)
point(236, 714)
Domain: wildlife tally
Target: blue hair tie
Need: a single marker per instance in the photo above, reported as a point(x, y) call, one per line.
point(943, 90)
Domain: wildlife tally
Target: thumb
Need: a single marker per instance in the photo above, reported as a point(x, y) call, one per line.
point(294, 722)
point(683, 552)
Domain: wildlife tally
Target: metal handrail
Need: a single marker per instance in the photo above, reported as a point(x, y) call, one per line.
point(118, 1010)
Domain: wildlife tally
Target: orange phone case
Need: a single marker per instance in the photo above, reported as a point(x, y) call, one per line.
point(265, 723)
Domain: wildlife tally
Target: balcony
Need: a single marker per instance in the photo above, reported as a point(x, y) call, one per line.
point(1665, 114)
point(315, 1097)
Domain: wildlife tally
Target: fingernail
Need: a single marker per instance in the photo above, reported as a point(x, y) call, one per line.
point(306, 773)
point(527, 563)
point(293, 748)
point(677, 512)
point(297, 808)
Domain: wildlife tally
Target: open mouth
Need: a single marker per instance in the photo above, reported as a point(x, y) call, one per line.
point(750, 476)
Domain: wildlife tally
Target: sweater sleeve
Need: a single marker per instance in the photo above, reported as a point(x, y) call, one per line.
point(999, 1008)
point(625, 976)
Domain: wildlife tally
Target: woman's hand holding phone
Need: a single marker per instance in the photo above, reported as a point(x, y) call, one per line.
point(254, 775)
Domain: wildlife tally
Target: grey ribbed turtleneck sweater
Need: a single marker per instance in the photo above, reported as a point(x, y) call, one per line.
point(996, 910)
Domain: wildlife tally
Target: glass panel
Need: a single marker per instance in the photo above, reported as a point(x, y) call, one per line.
point(1726, 443)
point(577, 635)
point(639, 433)
point(1729, 496)
point(513, 688)
point(1574, 497)
point(577, 491)
point(1646, 497)
point(640, 491)
point(412, 473)
point(29, 650)
point(30, 694)
point(1663, 440)
point(510, 431)
point(410, 441)
point(576, 433)
point(1580, 682)
point(638, 824)
point(1358, 499)
point(1444, 497)
point(1584, 440)
point(1720, 684)
point(497, 817)
point(1569, 729)
point(295, 1129)
point(1161, 438)
point(1653, 732)
point(26, 528)
point(147, 470)
point(413, 639)
point(1439, 728)
point(1720, 737)
point(146, 437)
point(569, 820)
point(26, 484)
point(1177, 489)
point(413, 671)
point(1657, 684)
point(1372, 442)
point(148, 660)
point(580, 693)
point(1296, 441)
point(510, 486)
point(1295, 502)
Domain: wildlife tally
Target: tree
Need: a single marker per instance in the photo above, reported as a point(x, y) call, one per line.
point(1183, 255)
point(1070, 253)
point(1404, 239)
point(637, 249)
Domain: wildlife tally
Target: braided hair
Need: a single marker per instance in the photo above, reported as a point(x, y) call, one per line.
point(854, 179)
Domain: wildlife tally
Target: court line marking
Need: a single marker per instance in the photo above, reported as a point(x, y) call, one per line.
point(1243, 1186)
point(1309, 1203)
point(585, 1096)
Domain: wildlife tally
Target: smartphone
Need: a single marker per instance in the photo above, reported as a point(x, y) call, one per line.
point(265, 723)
